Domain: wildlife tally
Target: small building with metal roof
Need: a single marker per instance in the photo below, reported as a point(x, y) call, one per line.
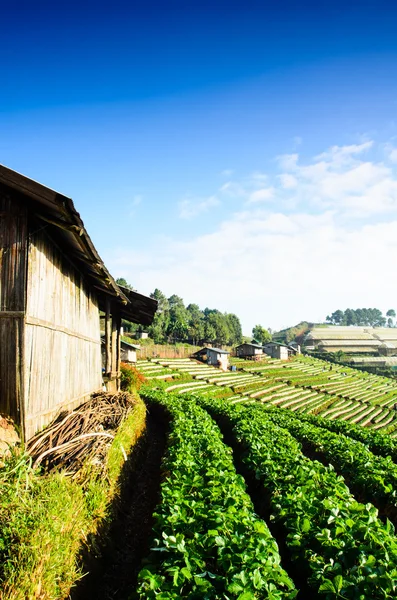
point(128, 352)
point(278, 350)
point(249, 350)
point(214, 356)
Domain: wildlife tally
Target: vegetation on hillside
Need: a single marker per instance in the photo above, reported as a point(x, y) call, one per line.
point(175, 322)
point(261, 334)
point(293, 334)
point(372, 317)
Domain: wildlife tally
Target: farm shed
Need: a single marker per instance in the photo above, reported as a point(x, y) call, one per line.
point(53, 285)
point(277, 350)
point(128, 352)
point(351, 339)
point(349, 346)
point(249, 350)
point(295, 346)
point(142, 335)
point(387, 349)
point(374, 361)
point(213, 356)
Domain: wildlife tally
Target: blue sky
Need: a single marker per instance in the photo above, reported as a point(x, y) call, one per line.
point(239, 154)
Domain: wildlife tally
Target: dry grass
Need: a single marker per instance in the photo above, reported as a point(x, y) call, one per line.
point(45, 520)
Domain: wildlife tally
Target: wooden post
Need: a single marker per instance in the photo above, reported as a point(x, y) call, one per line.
point(108, 365)
point(118, 353)
point(114, 345)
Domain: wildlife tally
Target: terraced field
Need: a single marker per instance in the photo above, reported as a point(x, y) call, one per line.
point(277, 481)
point(263, 503)
point(303, 385)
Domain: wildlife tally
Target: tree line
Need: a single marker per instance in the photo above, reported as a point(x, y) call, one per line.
point(175, 322)
point(363, 316)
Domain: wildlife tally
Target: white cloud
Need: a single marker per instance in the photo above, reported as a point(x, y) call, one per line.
point(341, 179)
point(288, 181)
point(315, 252)
point(392, 152)
point(233, 189)
point(227, 173)
point(192, 207)
point(288, 161)
point(261, 195)
point(343, 154)
point(277, 269)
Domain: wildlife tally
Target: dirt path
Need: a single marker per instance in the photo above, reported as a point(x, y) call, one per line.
point(114, 575)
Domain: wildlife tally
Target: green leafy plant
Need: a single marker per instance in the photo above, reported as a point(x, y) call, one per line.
point(208, 542)
point(342, 544)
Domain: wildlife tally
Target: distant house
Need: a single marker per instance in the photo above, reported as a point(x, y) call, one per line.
point(213, 356)
point(141, 335)
point(295, 346)
point(53, 289)
point(128, 352)
point(277, 350)
point(249, 350)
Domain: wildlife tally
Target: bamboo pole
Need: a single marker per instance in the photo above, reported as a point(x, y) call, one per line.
point(108, 366)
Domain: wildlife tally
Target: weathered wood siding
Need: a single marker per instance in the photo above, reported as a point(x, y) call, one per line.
point(247, 350)
point(13, 226)
point(62, 335)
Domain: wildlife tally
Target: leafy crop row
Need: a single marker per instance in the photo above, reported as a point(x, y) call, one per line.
point(374, 478)
point(342, 544)
point(208, 541)
point(378, 443)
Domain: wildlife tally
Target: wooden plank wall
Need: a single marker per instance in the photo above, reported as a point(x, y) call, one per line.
point(13, 228)
point(62, 336)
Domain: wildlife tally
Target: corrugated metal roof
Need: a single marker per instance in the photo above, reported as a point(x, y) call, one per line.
point(64, 224)
point(218, 350)
point(123, 343)
point(350, 342)
point(381, 360)
point(134, 346)
point(249, 344)
point(351, 349)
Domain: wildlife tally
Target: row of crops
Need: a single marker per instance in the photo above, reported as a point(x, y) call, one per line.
point(324, 497)
point(304, 385)
point(208, 541)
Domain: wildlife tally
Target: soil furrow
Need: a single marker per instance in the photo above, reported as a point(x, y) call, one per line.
point(113, 575)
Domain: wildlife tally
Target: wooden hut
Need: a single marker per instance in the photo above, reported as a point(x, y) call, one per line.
point(250, 351)
point(277, 350)
point(53, 286)
point(213, 356)
point(128, 352)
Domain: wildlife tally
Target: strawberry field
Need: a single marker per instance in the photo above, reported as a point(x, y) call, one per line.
point(304, 385)
point(267, 490)
point(258, 502)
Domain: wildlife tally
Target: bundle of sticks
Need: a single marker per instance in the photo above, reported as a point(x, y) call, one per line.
point(81, 436)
